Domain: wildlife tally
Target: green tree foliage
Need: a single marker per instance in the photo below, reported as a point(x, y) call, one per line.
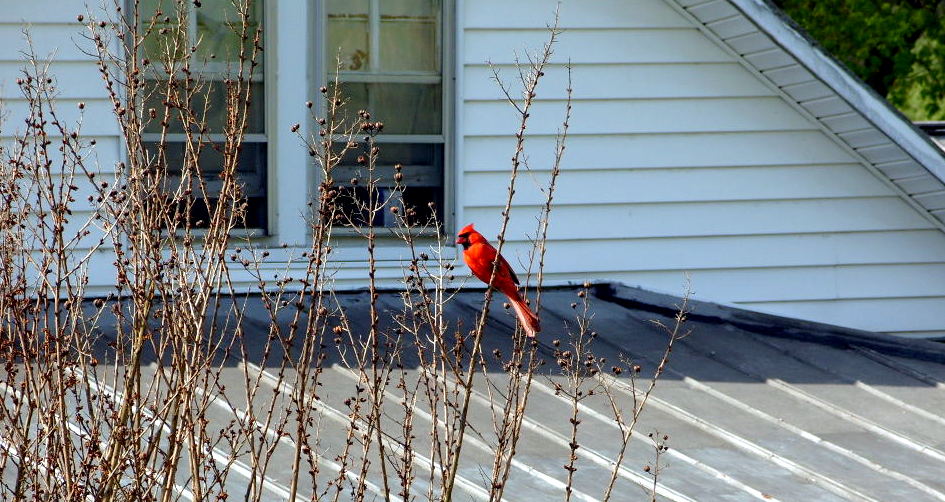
point(895, 46)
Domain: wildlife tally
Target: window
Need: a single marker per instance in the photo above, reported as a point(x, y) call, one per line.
point(216, 26)
point(391, 64)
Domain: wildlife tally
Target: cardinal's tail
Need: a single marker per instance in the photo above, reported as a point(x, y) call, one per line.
point(526, 317)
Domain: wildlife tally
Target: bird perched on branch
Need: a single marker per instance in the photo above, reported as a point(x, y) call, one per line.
point(480, 256)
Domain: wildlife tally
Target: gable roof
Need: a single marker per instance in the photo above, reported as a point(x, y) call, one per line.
point(770, 45)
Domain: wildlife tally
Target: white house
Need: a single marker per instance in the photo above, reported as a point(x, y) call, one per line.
point(708, 137)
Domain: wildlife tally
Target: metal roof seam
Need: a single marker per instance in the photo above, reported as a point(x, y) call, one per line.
point(845, 452)
point(794, 429)
point(855, 382)
point(898, 366)
point(480, 443)
point(468, 485)
point(858, 419)
point(674, 452)
point(829, 484)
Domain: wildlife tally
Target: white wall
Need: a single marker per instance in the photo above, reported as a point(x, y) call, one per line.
point(51, 28)
point(681, 160)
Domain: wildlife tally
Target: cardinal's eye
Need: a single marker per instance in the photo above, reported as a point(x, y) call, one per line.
point(464, 236)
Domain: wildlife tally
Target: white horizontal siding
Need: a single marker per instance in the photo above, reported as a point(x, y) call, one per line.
point(51, 28)
point(95, 119)
point(620, 150)
point(651, 220)
point(101, 157)
point(680, 159)
point(754, 251)
point(636, 81)
point(74, 233)
point(825, 283)
point(687, 185)
point(75, 80)
point(649, 116)
point(645, 14)
point(50, 40)
point(51, 11)
point(588, 45)
point(340, 275)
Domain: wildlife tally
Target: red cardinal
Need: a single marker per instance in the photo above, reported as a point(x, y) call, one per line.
point(480, 256)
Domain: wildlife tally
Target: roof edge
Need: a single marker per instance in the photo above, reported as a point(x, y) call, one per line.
point(834, 74)
point(770, 324)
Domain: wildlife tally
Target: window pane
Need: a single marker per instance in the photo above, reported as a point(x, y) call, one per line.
point(421, 183)
point(409, 40)
point(348, 34)
point(414, 203)
point(216, 111)
point(219, 28)
point(250, 167)
point(408, 35)
point(250, 172)
point(199, 213)
point(215, 91)
point(411, 154)
point(421, 165)
point(158, 46)
point(403, 108)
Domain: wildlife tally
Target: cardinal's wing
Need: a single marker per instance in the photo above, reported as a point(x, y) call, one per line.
point(505, 265)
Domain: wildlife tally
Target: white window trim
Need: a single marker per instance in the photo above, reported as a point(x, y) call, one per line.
point(270, 110)
point(290, 167)
point(451, 68)
point(294, 70)
point(453, 179)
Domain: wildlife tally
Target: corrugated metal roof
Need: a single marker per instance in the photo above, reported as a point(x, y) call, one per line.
point(756, 407)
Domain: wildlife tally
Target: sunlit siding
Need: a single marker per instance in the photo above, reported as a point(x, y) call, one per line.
point(681, 160)
point(50, 30)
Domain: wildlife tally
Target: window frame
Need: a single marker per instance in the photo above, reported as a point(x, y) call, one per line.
point(295, 32)
point(449, 68)
point(215, 71)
